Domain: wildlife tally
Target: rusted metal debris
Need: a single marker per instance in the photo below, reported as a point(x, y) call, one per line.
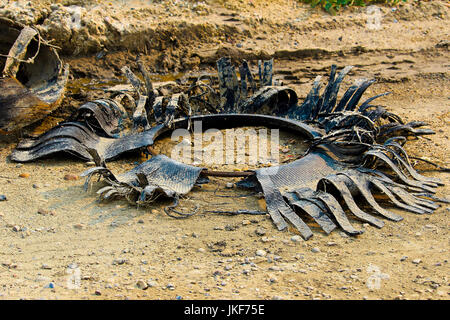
point(33, 77)
point(355, 149)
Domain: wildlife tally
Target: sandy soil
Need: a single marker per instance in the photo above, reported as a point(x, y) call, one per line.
point(51, 231)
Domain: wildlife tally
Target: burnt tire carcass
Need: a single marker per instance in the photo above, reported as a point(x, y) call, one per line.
point(33, 78)
point(356, 166)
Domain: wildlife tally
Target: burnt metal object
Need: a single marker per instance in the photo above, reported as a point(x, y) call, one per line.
point(159, 176)
point(355, 168)
point(33, 77)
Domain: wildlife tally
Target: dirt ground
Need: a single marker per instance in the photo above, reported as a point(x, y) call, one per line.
point(53, 234)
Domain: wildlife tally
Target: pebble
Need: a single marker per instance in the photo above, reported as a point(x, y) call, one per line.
point(70, 177)
point(141, 285)
point(315, 250)
point(46, 267)
point(417, 261)
point(79, 226)
point(201, 250)
point(45, 212)
point(170, 286)
point(403, 258)
point(17, 228)
point(3, 197)
point(260, 231)
point(274, 268)
point(296, 238)
point(119, 261)
point(98, 293)
point(265, 239)
point(151, 283)
point(51, 285)
point(331, 244)
point(24, 175)
point(261, 253)
point(245, 222)
point(140, 221)
point(229, 185)
point(272, 279)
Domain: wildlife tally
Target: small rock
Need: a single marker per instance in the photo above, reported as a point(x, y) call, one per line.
point(331, 244)
point(141, 285)
point(70, 177)
point(46, 267)
point(140, 221)
point(265, 239)
point(119, 261)
point(245, 222)
point(24, 175)
point(51, 285)
point(45, 212)
point(417, 261)
point(274, 268)
point(260, 253)
point(260, 231)
point(98, 293)
point(17, 228)
point(230, 227)
point(170, 286)
point(229, 185)
point(79, 226)
point(296, 238)
point(201, 250)
point(403, 258)
point(3, 197)
point(151, 283)
point(315, 250)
